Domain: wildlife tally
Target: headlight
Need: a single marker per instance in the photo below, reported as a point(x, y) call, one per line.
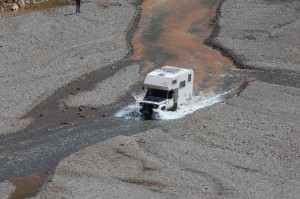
point(141, 104)
point(156, 106)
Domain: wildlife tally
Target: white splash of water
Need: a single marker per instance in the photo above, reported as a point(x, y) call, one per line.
point(130, 112)
point(197, 102)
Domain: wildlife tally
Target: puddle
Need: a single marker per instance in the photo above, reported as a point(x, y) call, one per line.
point(107, 5)
point(37, 7)
point(27, 186)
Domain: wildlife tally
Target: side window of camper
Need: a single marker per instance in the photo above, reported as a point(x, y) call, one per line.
point(174, 81)
point(190, 77)
point(182, 84)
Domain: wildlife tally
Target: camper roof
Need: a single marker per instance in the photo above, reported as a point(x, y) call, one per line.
point(169, 71)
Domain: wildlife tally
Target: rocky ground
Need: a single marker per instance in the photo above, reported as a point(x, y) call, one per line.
point(41, 51)
point(246, 147)
point(259, 35)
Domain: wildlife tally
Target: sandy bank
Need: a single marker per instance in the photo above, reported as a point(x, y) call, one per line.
point(41, 51)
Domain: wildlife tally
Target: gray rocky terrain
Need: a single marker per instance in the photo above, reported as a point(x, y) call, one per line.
point(6, 189)
point(108, 91)
point(261, 34)
point(247, 147)
point(42, 51)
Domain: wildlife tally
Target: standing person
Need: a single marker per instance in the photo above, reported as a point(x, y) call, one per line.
point(77, 6)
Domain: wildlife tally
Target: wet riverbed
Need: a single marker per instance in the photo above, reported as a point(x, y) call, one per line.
point(170, 32)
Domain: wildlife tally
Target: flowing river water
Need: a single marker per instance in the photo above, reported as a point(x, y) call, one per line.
point(169, 32)
point(172, 32)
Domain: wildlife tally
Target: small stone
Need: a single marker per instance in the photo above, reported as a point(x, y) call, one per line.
point(14, 7)
point(21, 3)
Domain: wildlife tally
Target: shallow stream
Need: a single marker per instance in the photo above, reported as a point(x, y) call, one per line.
point(173, 32)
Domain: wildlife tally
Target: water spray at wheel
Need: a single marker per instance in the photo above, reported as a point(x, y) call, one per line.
point(169, 95)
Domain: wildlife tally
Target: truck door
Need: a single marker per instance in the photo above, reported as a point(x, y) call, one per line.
point(170, 100)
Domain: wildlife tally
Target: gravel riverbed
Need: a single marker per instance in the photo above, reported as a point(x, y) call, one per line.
point(42, 51)
point(261, 34)
point(245, 147)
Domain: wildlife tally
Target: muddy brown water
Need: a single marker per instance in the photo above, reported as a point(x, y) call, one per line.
point(27, 186)
point(172, 32)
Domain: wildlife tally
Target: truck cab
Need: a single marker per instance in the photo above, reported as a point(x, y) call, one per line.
point(167, 88)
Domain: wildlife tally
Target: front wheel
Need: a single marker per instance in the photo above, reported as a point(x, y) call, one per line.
point(174, 107)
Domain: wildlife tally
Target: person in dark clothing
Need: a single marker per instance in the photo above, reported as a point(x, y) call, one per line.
point(77, 6)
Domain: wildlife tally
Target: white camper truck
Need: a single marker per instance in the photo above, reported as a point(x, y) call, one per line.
point(167, 88)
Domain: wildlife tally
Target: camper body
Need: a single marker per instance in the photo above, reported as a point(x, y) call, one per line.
point(167, 88)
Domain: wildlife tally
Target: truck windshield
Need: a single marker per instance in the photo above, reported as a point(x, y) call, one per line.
point(156, 95)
